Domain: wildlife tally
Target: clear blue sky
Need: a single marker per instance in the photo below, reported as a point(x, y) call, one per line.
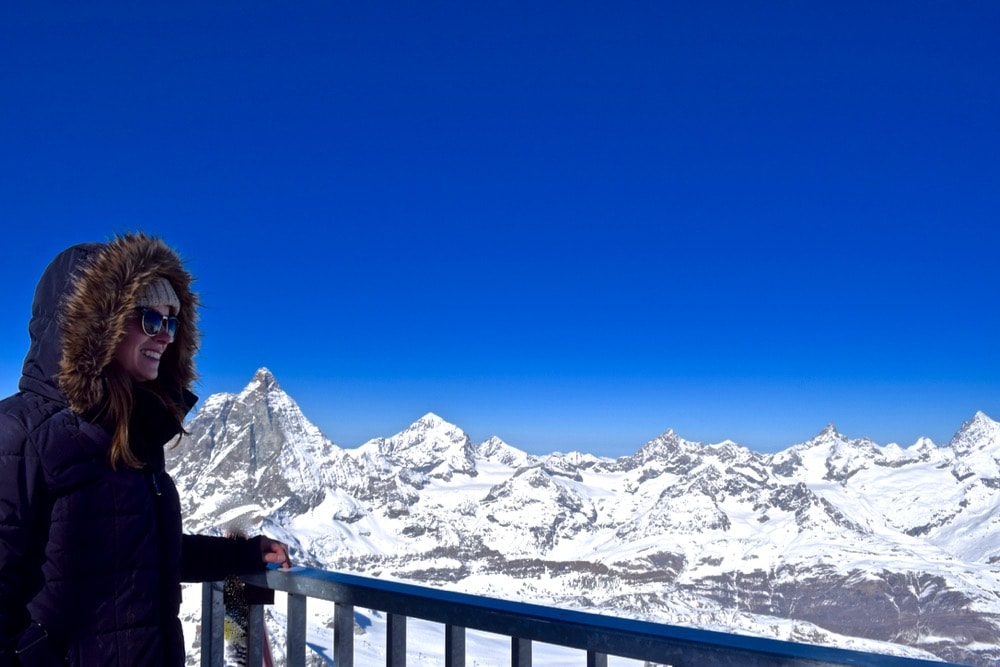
point(573, 225)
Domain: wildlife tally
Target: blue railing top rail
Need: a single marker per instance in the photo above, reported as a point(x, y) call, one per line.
point(609, 635)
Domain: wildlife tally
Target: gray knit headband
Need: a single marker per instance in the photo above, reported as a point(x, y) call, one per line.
point(159, 292)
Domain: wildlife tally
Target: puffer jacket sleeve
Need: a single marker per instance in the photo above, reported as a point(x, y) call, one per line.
point(210, 558)
point(21, 506)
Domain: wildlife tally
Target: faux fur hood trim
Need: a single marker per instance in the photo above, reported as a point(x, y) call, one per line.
point(102, 296)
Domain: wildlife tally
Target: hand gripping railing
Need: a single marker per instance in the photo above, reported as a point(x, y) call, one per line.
point(597, 634)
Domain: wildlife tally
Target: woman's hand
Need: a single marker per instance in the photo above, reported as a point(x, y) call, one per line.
point(273, 551)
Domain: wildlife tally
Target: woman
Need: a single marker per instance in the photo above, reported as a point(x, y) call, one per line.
point(91, 549)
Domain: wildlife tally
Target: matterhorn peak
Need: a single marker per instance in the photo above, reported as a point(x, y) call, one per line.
point(263, 380)
point(260, 447)
point(264, 374)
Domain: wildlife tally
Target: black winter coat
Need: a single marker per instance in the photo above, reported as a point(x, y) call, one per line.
point(91, 558)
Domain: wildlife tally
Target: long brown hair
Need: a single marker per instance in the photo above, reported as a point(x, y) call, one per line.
point(117, 413)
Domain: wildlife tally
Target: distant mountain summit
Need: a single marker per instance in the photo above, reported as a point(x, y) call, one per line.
point(976, 445)
point(834, 540)
point(496, 450)
point(430, 446)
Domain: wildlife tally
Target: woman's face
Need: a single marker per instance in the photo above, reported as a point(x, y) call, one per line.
point(140, 354)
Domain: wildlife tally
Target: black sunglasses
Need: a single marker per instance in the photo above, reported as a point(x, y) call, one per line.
point(153, 321)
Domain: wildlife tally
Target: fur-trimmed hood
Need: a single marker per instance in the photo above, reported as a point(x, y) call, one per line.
point(81, 308)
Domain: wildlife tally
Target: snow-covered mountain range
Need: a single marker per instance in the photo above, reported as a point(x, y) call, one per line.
point(834, 540)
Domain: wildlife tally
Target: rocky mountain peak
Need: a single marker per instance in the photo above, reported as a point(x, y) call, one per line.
point(430, 420)
point(262, 378)
point(980, 431)
point(976, 447)
point(829, 433)
point(496, 450)
point(669, 449)
point(260, 446)
point(261, 386)
point(430, 446)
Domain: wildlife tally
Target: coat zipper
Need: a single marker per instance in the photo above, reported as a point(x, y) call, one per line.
point(155, 484)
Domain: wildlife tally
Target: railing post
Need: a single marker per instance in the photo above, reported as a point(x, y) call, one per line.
point(520, 652)
point(255, 635)
point(454, 646)
point(595, 659)
point(343, 635)
point(295, 655)
point(213, 609)
point(395, 641)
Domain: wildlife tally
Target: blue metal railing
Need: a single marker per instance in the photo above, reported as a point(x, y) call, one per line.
point(598, 635)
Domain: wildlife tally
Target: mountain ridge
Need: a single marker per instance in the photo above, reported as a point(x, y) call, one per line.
point(677, 530)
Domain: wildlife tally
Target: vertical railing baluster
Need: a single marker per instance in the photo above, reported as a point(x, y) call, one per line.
point(213, 609)
point(595, 659)
point(296, 630)
point(520, 652)
point(206, 624)
point(454, 646)
point(255, 635)
point(343, 635)
point(395, 641)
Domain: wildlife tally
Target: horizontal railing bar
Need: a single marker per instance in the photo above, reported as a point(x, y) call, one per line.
point(598, 633)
